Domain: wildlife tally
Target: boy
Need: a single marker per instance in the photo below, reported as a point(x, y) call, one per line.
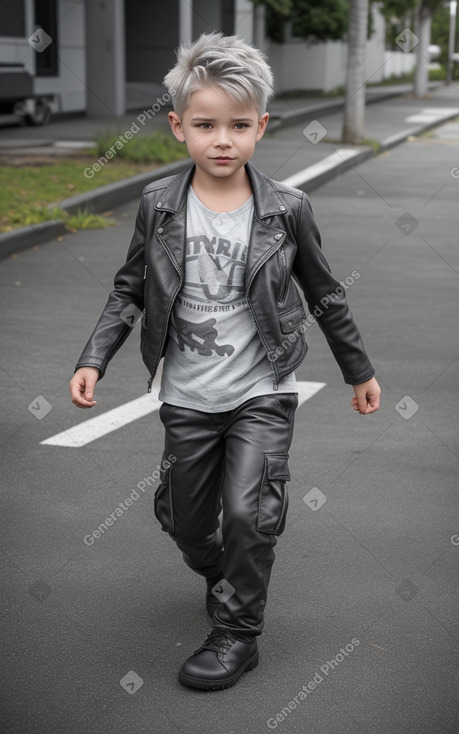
point(210, 265)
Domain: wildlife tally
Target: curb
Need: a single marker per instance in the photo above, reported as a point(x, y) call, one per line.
point(97, 200)
point(310, 182)
point(118, 193)
point(27, 237)
point(399, 138)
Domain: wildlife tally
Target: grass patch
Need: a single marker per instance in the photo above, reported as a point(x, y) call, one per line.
point(85, 219)
point(28, 189)
point(159, 147)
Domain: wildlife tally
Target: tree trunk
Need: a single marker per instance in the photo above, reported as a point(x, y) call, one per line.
point(354, 110)
point(421, 77)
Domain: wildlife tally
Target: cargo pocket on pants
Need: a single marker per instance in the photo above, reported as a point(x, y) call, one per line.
point(273, 497)
point(164, 508)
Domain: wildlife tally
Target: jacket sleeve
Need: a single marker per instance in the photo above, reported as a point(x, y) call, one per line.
point(123, 307)
point(326, 299)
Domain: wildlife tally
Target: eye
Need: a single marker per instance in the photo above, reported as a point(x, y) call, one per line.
point(205, 125)
point(241, 125)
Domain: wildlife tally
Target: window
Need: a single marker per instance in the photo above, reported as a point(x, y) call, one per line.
point(12, 18)
point(46, 18)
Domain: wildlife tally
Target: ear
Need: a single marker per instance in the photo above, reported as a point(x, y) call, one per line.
point(262, 123)
point(176, 126)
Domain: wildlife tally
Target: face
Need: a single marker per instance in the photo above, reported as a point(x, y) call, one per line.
point(220, 133)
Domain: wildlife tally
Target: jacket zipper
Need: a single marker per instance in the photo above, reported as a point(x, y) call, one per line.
point(145, 304)
point(275, 383)
point(168, 313)
point(276, 377)
point(284, 282)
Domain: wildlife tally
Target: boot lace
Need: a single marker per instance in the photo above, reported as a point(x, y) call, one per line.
point(218, 641)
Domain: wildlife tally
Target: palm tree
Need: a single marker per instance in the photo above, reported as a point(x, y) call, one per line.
point(354, 110)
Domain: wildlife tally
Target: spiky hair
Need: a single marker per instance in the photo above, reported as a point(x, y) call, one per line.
point(227, 62)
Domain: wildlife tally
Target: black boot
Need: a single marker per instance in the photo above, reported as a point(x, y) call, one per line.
point(219, 662)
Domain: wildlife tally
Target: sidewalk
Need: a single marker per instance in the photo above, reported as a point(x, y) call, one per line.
point(289, 152)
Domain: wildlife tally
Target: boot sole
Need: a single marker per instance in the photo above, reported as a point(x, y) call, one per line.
point(210, 685)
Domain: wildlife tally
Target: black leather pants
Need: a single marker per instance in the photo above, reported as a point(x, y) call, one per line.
point(235, 461)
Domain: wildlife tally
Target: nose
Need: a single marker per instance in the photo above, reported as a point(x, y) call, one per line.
point(222, 138)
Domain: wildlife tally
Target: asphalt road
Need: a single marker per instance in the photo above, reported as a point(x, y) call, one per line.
point(362, 613)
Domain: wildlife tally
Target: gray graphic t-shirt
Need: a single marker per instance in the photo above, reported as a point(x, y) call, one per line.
point(215, 359)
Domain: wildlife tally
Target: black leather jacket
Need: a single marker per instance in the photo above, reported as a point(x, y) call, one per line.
point(284, 241)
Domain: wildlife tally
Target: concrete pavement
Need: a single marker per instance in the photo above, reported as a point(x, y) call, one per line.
point(362, 612)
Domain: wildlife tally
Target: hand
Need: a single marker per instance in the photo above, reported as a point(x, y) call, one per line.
point(82, 387)
point(366, 398)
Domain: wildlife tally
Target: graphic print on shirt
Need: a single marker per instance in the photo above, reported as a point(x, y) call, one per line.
point(214, 357)
point(214, 283)
point(199, 337)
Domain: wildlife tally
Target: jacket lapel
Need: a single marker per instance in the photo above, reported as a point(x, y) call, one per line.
point(172, 233)
point(264, 240)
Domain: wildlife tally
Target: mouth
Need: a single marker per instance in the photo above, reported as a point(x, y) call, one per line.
point(223, 158)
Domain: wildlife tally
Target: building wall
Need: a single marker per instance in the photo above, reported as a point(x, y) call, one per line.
point(207, 16)
point(151, 37)
point(69, 85)
point(298, 65)
point(152, 34)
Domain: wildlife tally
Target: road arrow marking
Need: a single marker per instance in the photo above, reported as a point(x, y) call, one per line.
point(99, 426)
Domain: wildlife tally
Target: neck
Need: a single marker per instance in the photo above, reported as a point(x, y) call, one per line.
point(222, 194)
point(214, 184)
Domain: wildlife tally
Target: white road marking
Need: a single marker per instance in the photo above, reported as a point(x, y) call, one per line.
point(99, 426)
point(307, 389)
point(431, 114)
point(342, 154)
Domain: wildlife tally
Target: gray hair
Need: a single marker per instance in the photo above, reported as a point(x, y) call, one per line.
point(228, 62)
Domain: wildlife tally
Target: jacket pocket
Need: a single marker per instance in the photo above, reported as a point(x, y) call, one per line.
point(273, 496)
point(292, 319)
point(164, 508)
